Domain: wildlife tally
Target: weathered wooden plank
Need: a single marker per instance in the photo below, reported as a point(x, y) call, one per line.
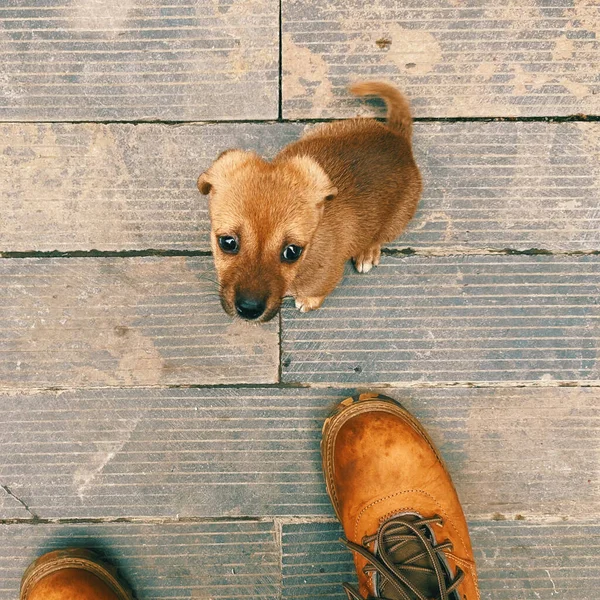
point(123, 187)
point(314, 562)
point(253, 452)
point(168, 561)
point(507, 185)
point(482, 59)
point(115, 321)
point(516, 560)
point(68, 60)
point(452, 319)
point(114, 187)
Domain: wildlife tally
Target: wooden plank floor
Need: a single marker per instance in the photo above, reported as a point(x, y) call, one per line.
point(76, 60)
point(487, 185)
point(461, 319)
point(69, 322)
point(136, 418)
point(164, 453)
point(455, 59)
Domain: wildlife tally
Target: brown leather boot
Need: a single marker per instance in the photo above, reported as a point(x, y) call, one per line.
point(72, 574)
point(396, 502)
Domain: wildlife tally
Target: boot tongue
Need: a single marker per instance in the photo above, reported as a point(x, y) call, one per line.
point(424, 581)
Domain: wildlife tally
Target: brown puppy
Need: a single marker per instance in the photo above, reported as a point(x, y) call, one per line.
point(287, 227)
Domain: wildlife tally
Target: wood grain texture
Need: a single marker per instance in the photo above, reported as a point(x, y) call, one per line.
point(126, 187)
point(454, 319)
point(137, 419)
point(114, 187)
point(224, 560)
point(315, 563)
point(453, 59)
point(507, 185)
point(515, 560)
point(255, 452)
point(114, 322)
point(84, 60)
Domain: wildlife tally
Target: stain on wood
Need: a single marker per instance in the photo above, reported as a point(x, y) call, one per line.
point(115, 321)
point(453, 60)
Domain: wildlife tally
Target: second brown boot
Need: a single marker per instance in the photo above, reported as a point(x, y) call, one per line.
point(397, 505)
point(72, 574)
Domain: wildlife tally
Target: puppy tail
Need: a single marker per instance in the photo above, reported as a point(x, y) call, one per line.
point(399, 117)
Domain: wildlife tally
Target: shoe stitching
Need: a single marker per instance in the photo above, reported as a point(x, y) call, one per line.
point(463, 562)
point(389, 497)
point(468, 565)
point(360, 409)
point(473, 571)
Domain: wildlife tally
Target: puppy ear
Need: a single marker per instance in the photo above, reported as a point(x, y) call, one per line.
point(226, 163)
point(314, 173)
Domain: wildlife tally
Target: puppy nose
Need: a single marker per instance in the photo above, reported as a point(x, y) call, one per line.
point(249, 308)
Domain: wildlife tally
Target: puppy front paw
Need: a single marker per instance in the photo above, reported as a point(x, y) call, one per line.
point(309, 303)
point(368, 259)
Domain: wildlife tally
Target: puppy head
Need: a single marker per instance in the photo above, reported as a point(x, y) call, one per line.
point(263, 217)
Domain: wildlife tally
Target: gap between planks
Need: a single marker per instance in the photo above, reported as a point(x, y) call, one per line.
point(575, 118)
point(278, 521)
point(394, 252)
point(399, 385)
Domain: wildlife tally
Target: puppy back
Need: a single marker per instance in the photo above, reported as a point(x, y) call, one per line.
point(399, 117)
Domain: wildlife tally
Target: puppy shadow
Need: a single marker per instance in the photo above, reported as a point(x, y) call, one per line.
point(369, 107)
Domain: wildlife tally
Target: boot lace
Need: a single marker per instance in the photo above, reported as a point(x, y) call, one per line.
point(407, 562)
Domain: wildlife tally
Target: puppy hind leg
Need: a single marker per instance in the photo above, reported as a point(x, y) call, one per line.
point(367, 259)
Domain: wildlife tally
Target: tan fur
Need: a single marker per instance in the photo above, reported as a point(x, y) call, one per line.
point(399, 117)
point(340, 192)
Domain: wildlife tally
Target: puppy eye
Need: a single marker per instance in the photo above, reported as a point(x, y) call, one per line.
point(229, 244)
point(291, 253)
